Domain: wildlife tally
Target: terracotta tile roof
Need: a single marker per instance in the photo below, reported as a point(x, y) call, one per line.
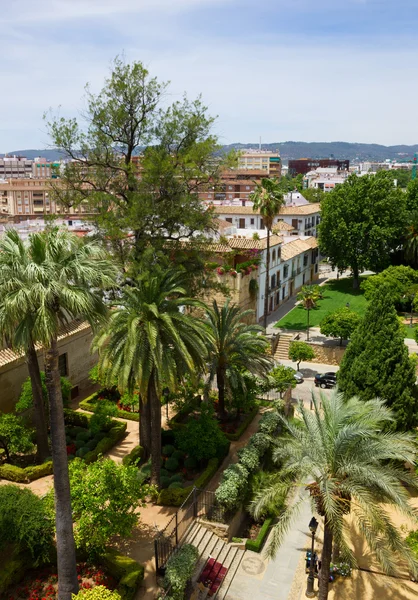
point(221, 224)
point(217, 248)
point(307, 209)
point(248, 243)
point(292, 249)
point(8, 356)
point(282, 226)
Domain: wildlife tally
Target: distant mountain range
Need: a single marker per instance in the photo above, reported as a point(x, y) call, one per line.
point(352, 151)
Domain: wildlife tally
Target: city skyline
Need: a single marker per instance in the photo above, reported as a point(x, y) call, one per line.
point(280, 70)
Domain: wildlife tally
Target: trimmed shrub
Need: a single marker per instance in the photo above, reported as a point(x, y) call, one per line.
point(257, 544)
point(190, 462)
point(92, 401)
point(171, 464)
point(176, 485)
point(260, 441)
point(164, 473)
point(134, 457)
point(231, 491)
point(127, 571)
point(176, 497)
point(177, 477)
point(180, 568)
point(99, 592)
point(82, 452)
point(249, 457)
point(269, 423)
point(83, 436)
point(201, 437)
point(168, 450)
point(164, 481)
point(178, 454)
point(243, 427)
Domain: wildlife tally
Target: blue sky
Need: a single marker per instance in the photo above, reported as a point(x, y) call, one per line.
point(309, 70)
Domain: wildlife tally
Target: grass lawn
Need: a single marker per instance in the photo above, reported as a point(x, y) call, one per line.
point(336, 295)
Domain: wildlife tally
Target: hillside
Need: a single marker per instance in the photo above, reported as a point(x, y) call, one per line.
point(352, 151)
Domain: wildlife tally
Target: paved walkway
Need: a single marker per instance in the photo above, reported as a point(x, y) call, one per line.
point(263, 579)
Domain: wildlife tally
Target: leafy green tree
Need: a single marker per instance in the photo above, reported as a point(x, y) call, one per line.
point(150, 344)
point(313, 195)
point(139, 167)
point(399, 280)
point(268, 198)
point(14, 435)
point(402, 176)
point(281, 378)
point(201, 437)
point(61, 282)
point(25, 401)
point(299, 351)
point(344, 455)
point(412, 196)
point(410, 247)
point(376, 362)
point(25, 521)
point(104, 498)
point(362, 222)
point(340, 324)
point(233, 345)
point(17, 326)
point(243, 390)
point(99, 592)
point(309, 296)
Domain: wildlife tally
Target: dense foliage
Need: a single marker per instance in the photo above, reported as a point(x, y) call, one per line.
point(340, 324)
point(362, 222)
point(401, 281)
point(99, 592)
point(201, 437)
point(299, 351)
point(14, 435)
point(377, 364)
point(180, 568)
point(24, 521)
point(25, 401)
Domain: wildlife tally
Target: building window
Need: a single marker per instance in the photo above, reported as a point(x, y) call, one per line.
point(229, 219)
point(305, 260)
point(261, 223)
point(247, 187)
point(285, 271)
point(63, 365)
point(273, 281)
point(252, 221)
point(273, 257)
point(283, 292)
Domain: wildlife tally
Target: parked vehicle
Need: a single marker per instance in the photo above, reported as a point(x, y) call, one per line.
point(325, 380)
point(298, 376)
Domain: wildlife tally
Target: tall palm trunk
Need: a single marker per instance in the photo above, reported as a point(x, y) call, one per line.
point(325, 562)
point(266, 287)
point(145, 426)
point(39, 417)
point(67, 566)
point(220, 381)
point(155, 406)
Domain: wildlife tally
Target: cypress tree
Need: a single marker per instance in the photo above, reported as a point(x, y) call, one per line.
point(377, 364)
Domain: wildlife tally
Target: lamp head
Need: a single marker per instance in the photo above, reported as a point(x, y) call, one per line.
point(313, 525)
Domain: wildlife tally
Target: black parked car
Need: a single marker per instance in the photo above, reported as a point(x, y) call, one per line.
point(326, 380)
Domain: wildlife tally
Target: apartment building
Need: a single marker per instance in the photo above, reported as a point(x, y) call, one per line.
point(325, 178)
point(16, 167)
point(304, 219)
point(26, 198)
point(301, 166)
point(235, 186)
point(268, 162)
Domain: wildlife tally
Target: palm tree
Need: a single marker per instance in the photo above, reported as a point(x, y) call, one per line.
point(60, 283)
point(268, 199)
point(17, 313)
point(349, 461)
point(309, 296)
point(149, 344)
point(233, 345)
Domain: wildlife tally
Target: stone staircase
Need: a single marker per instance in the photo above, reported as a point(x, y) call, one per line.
point(282, 348)
point(210, 545)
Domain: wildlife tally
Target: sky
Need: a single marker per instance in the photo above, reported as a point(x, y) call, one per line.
point(305, 70)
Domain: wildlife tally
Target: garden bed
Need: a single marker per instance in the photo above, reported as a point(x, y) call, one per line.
point(81, 442)
point(123, 412)
point(233, 428)
point(256, 534)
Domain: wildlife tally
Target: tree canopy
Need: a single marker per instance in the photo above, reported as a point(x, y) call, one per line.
point(299, 351)
point(340, 324)
point(376, 362)
point(398, 280)
point(362, 222)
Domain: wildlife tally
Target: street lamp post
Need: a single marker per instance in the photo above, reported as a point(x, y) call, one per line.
point(313, 526)
point(166, 393)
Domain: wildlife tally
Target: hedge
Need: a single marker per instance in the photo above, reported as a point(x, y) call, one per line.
point(115, 433)
point(90, 403)
point(244, 425)
point(176, 496)
point(127, 571)
point(257, 544)
point(134, 457)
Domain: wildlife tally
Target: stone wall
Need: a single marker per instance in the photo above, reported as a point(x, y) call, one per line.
point(79, 362)
point(327, 354)
point(239, 291)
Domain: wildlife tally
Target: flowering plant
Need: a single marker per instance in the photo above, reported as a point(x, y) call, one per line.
point(220, 270)
point(233, 273)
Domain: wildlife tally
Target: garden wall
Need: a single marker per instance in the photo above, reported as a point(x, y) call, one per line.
point(328, 355)
point(239, 291)
point(75, 342)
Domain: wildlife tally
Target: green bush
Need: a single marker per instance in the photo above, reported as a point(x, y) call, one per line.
point(164, 481)
point(83, 436)
point(171, 464)
point(99, 592)
point(79, 444)
point(13, 568)
point(176, 497)
point(176, 485)
point(180, 568)
point(201, 437)
point(134, 457)
point(91, 402)
point(412, 541)
point(164, 473)
point(260, 441)
point(14, 435)
point(102, 417)
point(269, 423)
point(167, 437)
point(249, 457)
point(25, 401)
point(178, 455)
point(257, 544)
point(127, 571)
point(190, 462)
point(168, 450)
point(25, 522)
point(81, 453)
point(19, 475)
point(177, 477)
point(231, 491)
